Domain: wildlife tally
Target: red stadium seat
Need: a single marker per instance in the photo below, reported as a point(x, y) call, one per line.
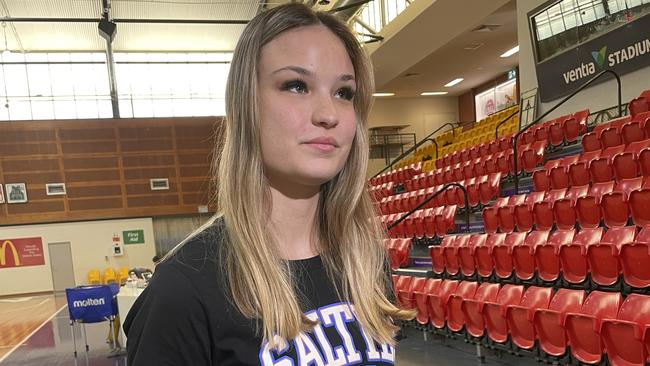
point(626, 337)
point(601, 169)
point(559, 176)
point(610, 137)
point(438, 303)
point(520, 316)
point(490, 163)
point(450, 254)
point(494, 312)
point(430, 215)
point(579, 171)
point(603, 257)
point(556, 132)
point(576, 125)
point(489, 189)
point(523, 256)
point(402, 283)
point(541, 180)
point(398, 250)
point(523, 213)
point(532, 156)
point(502, 254)
point(543, 211)
point(588, 207)
point(455, 317)
point(632, 132)
point(473, 308)
point(483, 254)
point(406, 296)
point(590, 142)
point(505, 214)
point(473, 194)
point(549, 323)
point(504, 162)
point(639, 204)
point(547, 255)
point(639, 105)
point(564, 209)
point(466, 254)
point(634, 258)
point(614, 204)
point(644, 161)
point(421, 298)
point(573, 257)
point(626, 164)
point(489, 215)
point(445, 221)
point(583, 326)
point(437, 256)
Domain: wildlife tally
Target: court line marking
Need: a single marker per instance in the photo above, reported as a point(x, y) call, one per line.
point(32, 333)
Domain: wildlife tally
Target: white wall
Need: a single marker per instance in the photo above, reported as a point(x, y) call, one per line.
point(595, 98)
point(90, 243)
point(422, 115)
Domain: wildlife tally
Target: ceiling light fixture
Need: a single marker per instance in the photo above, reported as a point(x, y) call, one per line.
point(6, 51)
point(510, 52)
point(383, 94)
point(433, 93)
point(453, 82)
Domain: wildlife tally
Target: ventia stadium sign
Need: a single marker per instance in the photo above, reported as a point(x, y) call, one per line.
point(623, 50)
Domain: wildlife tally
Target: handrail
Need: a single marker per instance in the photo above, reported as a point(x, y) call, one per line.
point(515, 158)
point(441, 190)
point(421, 142)
point(496, 129)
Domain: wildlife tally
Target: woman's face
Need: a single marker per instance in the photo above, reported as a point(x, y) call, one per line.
point(306, 88)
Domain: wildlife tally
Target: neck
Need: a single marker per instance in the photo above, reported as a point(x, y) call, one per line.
point(293, 216)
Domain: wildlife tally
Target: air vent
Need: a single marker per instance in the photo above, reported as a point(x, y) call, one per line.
point(411, 74)
point(473, 46)
point(486, 28)
point(159, 184)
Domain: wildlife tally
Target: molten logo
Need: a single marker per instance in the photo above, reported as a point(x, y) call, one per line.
point(88, 302)
point(3, 253)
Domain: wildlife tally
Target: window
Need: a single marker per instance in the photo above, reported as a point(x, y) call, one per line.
point(562, 25)
point(376, 14)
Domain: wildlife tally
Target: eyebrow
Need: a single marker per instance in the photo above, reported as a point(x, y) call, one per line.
point(303, 71)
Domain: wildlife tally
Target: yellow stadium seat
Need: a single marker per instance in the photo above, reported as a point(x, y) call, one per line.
point(109, 275)
point(122, 275)
point(94, 278)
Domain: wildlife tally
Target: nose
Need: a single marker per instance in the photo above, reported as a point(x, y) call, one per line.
point(325, 114)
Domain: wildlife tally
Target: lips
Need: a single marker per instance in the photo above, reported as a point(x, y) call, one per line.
point(323, 141)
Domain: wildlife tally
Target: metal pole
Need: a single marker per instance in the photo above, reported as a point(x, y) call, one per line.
point(110, 62)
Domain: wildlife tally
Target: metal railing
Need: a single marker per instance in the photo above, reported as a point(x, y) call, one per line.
point(440, 191)
point(515, 158)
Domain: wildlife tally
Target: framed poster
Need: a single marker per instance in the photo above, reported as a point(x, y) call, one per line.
point(16, 192)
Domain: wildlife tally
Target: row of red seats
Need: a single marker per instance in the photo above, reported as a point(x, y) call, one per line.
point(619, 162)
point(591, 325)
point(621, 131)
point(475, 152)
point(613, 203)
point(557, 131)
point(567, 255)
point(397, 175)
point(479, 190)
point(429, 222)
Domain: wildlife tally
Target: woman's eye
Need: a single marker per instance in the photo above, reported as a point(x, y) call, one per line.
point(345, 93)
point(296, 86)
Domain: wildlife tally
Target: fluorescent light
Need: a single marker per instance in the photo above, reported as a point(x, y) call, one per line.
point(383, 94)
point(432, 93)
point(454, 82)
point(510, 52)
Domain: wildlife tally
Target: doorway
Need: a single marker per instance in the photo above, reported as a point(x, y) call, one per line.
point(62, 266)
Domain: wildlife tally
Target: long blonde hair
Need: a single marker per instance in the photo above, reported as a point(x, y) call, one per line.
point(350, 236)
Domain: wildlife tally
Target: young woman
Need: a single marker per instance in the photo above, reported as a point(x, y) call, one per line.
point(292, 270)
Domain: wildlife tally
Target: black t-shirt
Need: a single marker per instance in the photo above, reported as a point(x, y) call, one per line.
point(185, 317)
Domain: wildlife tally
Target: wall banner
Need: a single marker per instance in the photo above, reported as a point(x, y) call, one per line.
point(622, 50)
point(21, 252)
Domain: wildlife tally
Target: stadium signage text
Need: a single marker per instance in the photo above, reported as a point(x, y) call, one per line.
point(21, 252)
point(622, 50)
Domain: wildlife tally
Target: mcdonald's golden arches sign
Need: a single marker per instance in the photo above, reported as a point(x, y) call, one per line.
point(21, 252)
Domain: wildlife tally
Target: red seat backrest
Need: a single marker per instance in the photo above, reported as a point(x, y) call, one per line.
point(535, 238)
point(588, 237)
point(566, 300)
point(602, 305)
point(636, 308)
point(619, 235)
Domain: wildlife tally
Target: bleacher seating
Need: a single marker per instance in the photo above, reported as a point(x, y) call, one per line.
point(560, 270)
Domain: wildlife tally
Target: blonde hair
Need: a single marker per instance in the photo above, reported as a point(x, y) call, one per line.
point(350, 236)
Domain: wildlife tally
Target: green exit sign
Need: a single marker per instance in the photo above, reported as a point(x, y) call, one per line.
point(133, 236)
